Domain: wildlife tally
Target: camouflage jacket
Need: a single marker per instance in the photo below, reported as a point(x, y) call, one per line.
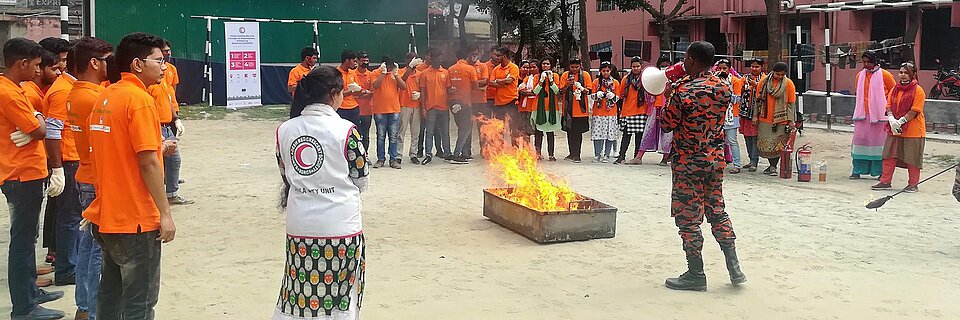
point(956, 185)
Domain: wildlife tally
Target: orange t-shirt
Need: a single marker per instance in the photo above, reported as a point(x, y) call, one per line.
point(296, 74)
point(34, 95)
point(349, 76)
point(587, 85)
point(737, 86)
point(483, 73)
point(631, 104)
point(463, 76)
point(916, 128)
point(25, 163)
point(507, 93)
point(365, 103)
point(56, 107)
point(162, 93)
point(406, 96)
point(600, 105)
point(791, 92)
point(123, 124)
point(433, 85)
point(81, 100)
point(491, 92)
point(386, 98)
point(172, 78)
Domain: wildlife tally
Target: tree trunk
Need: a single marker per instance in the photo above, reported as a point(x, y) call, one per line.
point(450, 15)
point(496, 26)
point(584, 42)
point(524, 29)
point(774, 34)
point(462, 23)
point(666, 40)
point(910, 36)
point(564, 33)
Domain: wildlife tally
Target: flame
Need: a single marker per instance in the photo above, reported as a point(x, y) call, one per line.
point(516, 168)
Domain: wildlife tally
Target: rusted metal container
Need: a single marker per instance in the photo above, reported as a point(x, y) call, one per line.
point(586, 219)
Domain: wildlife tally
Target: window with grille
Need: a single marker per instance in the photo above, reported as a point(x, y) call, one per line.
point(634, 48)
point(605, 5)
point(602, 47)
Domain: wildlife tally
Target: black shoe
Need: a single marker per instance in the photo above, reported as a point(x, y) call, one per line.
point(552, 159)
point(694, 279)
point(66, 281)
point(768, 170)
point(468, 158)
point(181, 181)
point(414, 160)
point(46, 296)
point(379, 164)
point(577, 160)
point(395, 163)
point(619, 160)
point(733, 265)
point(40, 313)
point(854, 176)
point(459, 160)
point(426, 160)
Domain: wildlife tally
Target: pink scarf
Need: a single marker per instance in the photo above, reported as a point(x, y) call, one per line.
point(877, 98)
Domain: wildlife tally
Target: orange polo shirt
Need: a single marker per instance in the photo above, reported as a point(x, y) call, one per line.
point(916, 128)
point(506, 94)
point(81, 100)
point(413, 84)
point(791, 92)
point(587, 84)
point(463, 76)
point(364, 80)
point(55, 102)
point(296, 74)
point(631, 104)
point(163, 93)
point(483, 72)
point(123, 124)
point(600, 105)
point(491, 91)
point(349, 76)
point(34, 95)
point(25, 163)
point(434, 84)
point(386, 98)
point(171, 77)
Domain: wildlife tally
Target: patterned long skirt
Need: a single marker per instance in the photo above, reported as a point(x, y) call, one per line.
point(324, 279)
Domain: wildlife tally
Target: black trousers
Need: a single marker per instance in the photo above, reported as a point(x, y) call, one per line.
point(538, 142)
point(130, 279)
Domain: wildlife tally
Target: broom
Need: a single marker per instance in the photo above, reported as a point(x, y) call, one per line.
point(880, 202)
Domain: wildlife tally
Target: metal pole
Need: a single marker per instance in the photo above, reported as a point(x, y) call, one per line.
point(207, 69)
point(828, 69)
point(799, 66)
point(316, 38)
point(64, 20)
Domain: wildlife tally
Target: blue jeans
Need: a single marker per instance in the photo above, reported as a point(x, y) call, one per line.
point(437, 127)
point(130, 279)
point(364, 128)
point(731, 136)
point(171, 165)
point(68, 218)
point(89, 260)
point(388, 126)
point(24, 200)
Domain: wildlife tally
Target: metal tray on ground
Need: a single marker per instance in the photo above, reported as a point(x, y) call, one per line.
point(587, 219)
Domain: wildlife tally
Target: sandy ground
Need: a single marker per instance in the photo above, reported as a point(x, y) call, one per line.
point(809, 250)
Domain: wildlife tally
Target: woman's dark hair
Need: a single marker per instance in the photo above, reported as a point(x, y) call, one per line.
point(317, 87)
point(780, 67)
point(758, 61)
point(606, 65)
point(636, 59)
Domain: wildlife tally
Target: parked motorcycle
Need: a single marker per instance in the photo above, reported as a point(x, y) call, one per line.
point(948, 83)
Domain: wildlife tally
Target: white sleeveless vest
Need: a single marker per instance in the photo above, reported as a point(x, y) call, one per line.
point(323, 200)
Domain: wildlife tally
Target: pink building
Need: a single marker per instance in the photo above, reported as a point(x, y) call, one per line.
point(739, 27)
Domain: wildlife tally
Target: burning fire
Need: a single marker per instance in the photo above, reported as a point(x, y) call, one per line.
point(517, 168)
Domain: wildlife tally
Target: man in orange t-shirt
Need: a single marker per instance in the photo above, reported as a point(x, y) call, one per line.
point(91, 56)
point(364, 102)
point(410, 111)
point(130, 215)
point(434, 83)
point(479, 98)
point(36, 88)
point(491, 92)
point(463, 84)
point(63, 161)
point(22, 173)
point(387, 85)
point(349, 108)
point(308, 59)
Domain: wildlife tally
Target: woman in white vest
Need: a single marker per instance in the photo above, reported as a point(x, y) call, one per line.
point(324, 170)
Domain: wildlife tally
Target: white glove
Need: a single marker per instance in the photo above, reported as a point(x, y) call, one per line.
point(179, 125)
point(578, 86)
point(599, 95)
point(894, 124)
point(415, 96)
point(902, 121)
point(396, 69)
point(383, 68)
point(84, 225)
point(522, 87)
point(57, 181)
point(610, 95)
point(455, 108)
point(354, 87)
point(20, 139)
point(415, 62)
point(577, 93)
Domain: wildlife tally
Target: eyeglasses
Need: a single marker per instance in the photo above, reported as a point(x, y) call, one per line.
point(160, 61)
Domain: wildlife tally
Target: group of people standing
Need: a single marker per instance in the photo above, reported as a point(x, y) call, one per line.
point(94, 128)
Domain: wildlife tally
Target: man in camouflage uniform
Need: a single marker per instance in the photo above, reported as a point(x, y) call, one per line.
point(956, 185)
point(695, 115)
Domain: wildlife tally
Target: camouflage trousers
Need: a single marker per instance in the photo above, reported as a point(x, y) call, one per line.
point(698, 193)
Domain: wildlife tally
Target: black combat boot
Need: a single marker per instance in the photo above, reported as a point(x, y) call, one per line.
point(694, 279)
point(733, 265)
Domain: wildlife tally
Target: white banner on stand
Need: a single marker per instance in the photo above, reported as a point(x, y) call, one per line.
point(243, 64)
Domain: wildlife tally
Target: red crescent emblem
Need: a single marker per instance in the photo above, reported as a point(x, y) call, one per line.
point(299, 154)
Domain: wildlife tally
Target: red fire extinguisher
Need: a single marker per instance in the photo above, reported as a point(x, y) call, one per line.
point(786, 157)
point(804, 155)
